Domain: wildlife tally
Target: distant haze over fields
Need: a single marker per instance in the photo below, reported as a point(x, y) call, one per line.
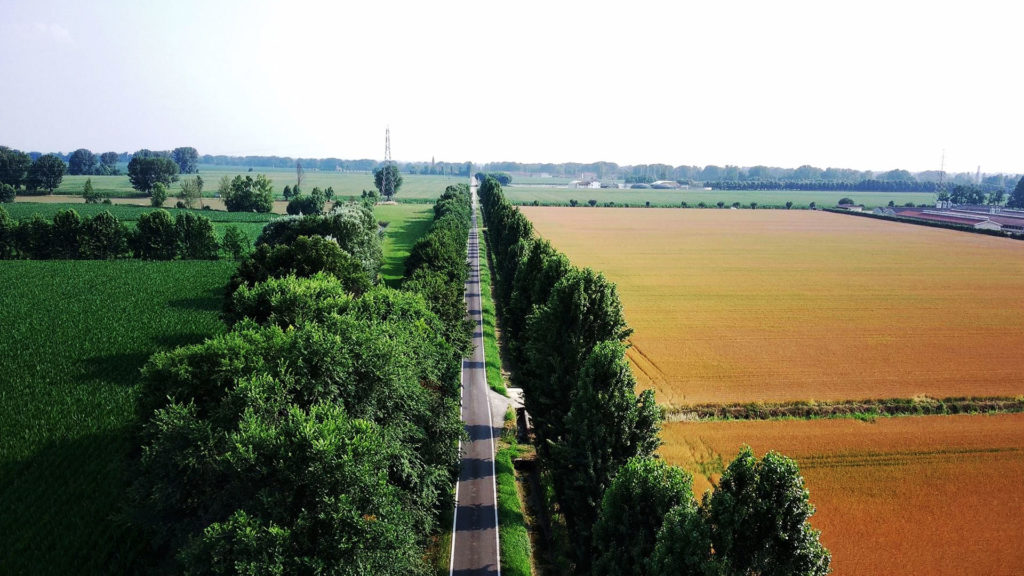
point(875, 85)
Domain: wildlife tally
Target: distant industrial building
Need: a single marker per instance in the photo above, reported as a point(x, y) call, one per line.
point(977, 217)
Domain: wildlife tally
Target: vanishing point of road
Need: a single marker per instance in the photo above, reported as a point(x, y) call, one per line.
point(475, 527)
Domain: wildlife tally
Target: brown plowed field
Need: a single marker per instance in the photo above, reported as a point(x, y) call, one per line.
point(744, 305)
point(910, 495)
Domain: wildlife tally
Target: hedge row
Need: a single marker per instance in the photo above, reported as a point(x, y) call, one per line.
point(565, 332)
point(319, 435)
point(156, 236)
point(436, 267)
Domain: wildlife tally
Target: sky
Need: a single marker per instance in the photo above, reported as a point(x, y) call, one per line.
point(869, 85)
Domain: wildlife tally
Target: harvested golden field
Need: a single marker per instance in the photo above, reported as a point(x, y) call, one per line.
point(773, 305)
point(912, 495)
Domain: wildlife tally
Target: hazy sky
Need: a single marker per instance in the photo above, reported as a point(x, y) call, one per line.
point(866, 85)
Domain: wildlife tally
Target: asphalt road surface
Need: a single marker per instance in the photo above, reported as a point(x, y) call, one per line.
point(475, 527)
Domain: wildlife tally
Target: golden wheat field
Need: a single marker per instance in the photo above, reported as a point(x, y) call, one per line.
point(776, 305)
point(909, 495)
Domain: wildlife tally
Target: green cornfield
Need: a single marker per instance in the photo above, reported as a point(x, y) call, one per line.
point(73, 336)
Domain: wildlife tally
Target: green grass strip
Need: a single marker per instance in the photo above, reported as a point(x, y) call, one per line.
point(491, 352)
point(515, 541)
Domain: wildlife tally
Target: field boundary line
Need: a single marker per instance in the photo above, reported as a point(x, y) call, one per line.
point(860, 409)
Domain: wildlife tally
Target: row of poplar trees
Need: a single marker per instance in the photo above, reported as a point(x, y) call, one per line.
point(626, 511)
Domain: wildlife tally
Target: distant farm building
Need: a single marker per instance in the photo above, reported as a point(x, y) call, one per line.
point(579, 184)
point(852, 207)
point(665, 185)
point(978, 221)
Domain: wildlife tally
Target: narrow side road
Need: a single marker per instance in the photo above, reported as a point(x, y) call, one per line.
point(475, 527)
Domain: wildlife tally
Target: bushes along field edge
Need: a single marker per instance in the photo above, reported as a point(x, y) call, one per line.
point(156, 236)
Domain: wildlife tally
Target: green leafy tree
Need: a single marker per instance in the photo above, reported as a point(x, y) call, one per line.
point(82, 161)
point(1016, 199)
point(158, 195)
point(967, 195)
point(45, 174)
point(8, 234)
point(145, 171)
point(304, 257)
point(583, 310)
point(7, 192)
point(591, 202)
point(155, 237)
point(108, 163)
point(370, 197)
point(102, 237)
point(250, 194)
point(311, 204)
point(196, 240)
point(352, 226)
point(388, 180)
point(759, 515)
point(287, 192)
point(632, 511)
point(683, 545)
point(285, 449)
point(897, 176)
point(186, 158)
point(996, 197)
point(189, 191)
point(236, 243)
point(90, 195)
point(34, 238)
point(14, 165)
point(606, 426)
point(290, 300)
point(67, 226)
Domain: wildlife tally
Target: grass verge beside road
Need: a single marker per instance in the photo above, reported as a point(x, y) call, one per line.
point(490, 323)
point(515, 539)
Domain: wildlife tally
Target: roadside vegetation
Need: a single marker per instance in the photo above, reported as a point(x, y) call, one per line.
point(79, 495)
point(515, 538)
point(323, 470)
point(489, 319)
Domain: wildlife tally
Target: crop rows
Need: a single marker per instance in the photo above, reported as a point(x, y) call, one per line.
point(779, 314)
point(76, 334)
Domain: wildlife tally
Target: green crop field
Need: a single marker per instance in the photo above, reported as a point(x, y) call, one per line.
point(74, 335)
point(560, 196)
point(415, 187)
point(406, 223)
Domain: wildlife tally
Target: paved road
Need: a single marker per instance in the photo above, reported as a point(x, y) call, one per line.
point(475, 528)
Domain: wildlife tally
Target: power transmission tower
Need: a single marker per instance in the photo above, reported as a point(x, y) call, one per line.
point(940, 190)
point(387, 187)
